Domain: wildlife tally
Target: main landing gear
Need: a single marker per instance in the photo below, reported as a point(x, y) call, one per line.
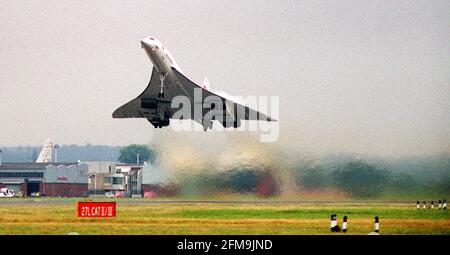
point(160, 123)
point(207, 123)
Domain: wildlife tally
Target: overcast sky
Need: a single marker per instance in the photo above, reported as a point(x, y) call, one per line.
point(354, 76)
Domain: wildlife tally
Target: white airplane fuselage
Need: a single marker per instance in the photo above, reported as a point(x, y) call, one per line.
point(161, 58)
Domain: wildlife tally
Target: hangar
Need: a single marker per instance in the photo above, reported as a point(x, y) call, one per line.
point(48, 179)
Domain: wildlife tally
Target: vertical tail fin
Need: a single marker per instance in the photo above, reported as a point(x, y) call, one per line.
point(205, 84)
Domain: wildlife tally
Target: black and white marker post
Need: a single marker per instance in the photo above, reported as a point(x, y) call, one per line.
point(424, 205)
point(440, 205)
point(333, 222)
point(418, 205)
point(344, 224)
point(432, 205)
point(376, 226)
point(444, 205)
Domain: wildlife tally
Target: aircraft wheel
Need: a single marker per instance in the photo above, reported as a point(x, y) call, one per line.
point(236, 123)
point(207, 125)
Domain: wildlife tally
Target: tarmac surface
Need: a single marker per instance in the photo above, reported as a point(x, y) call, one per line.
point(147, 201)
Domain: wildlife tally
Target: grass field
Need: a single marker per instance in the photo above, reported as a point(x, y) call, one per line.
point(233, 218)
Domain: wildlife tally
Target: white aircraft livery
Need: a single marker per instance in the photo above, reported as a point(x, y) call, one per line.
point(171, 95)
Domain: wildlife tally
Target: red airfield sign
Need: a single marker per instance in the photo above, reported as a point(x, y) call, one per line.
point(96, 209)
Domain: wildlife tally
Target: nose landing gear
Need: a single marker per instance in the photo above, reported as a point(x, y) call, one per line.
point(162, 77)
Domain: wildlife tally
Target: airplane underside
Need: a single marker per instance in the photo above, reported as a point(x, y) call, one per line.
point(156, 110)
point(168, 82)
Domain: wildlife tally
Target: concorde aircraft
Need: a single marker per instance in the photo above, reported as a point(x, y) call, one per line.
point(168, 82)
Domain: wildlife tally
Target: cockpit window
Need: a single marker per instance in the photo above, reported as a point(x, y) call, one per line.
point(151, 38)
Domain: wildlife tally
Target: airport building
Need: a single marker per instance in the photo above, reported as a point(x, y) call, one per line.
point(114, 178)
point(47, 179)
point(122, 179)
point(81, 179)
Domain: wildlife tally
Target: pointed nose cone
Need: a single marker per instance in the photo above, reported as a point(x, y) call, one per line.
point(145, 43)
point(150, 43)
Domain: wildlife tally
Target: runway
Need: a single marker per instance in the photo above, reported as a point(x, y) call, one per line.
point(147, 201)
